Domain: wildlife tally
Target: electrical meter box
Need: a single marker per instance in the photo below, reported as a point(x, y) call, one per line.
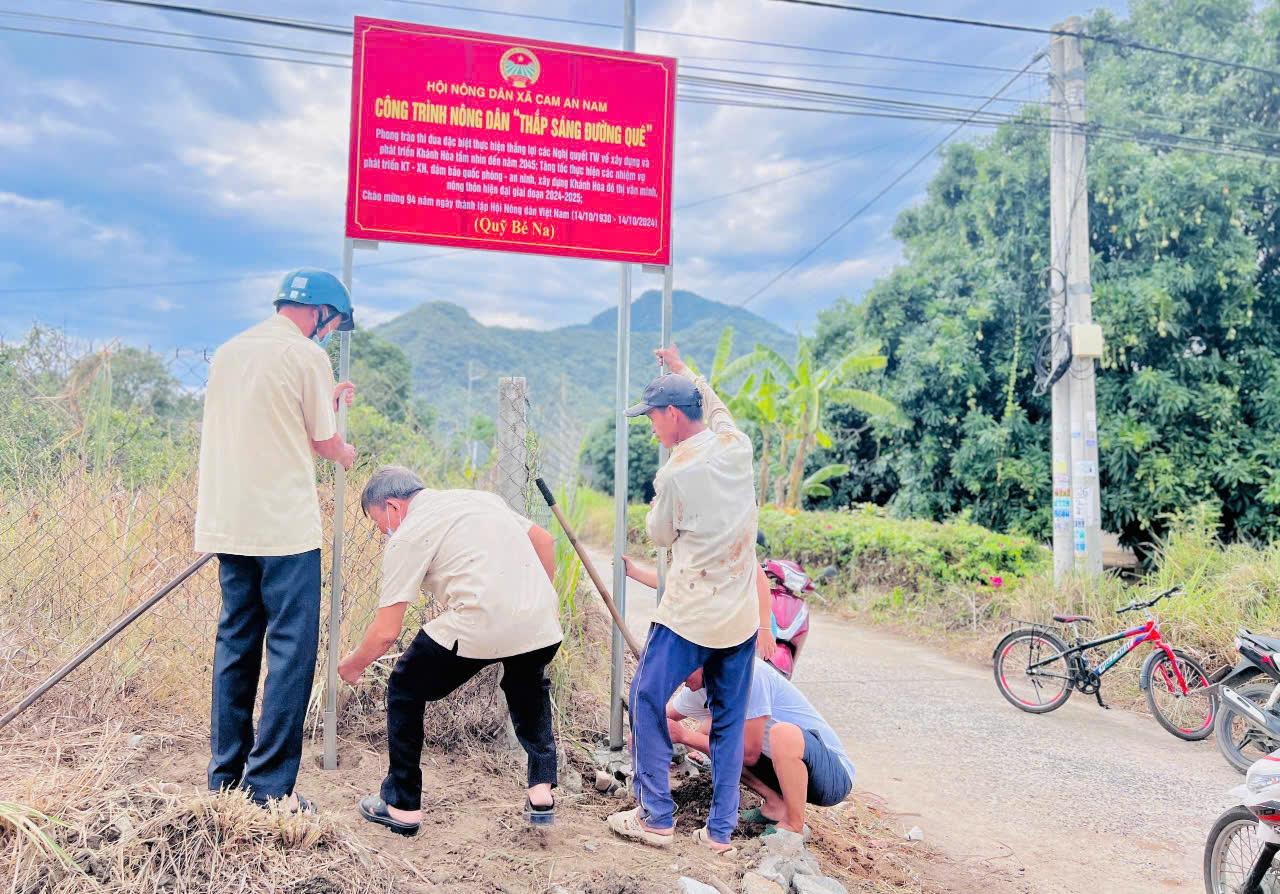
point(1086, 340)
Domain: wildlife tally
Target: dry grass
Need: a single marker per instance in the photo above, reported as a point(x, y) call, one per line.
point(120, 831)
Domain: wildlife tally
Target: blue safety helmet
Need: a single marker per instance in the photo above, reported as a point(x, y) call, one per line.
point(309, 285)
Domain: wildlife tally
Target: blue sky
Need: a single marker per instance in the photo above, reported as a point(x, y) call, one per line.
point(126, 165)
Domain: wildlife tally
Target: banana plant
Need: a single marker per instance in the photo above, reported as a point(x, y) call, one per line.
point(806, 389)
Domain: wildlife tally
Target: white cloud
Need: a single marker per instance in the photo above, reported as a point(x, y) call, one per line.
point(68, 229)
point(511, 320)
point(287, 167)
point(367, 316)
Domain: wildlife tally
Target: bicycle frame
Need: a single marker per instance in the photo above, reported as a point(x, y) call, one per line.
point(1147, 633)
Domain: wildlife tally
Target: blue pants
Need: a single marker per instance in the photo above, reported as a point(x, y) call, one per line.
point(276, 598)
point(668, 659)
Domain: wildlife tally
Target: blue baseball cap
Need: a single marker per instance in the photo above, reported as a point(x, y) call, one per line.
point(671, 390)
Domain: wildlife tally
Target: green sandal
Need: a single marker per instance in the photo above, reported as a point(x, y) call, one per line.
point(754, 817)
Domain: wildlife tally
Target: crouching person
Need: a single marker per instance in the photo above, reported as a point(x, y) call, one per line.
point(490, 571)
point(791, 755)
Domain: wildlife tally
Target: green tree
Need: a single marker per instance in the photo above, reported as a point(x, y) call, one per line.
point(642, 458)
point(1186, 274)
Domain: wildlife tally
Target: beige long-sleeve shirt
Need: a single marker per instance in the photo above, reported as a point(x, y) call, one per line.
point(705, 510)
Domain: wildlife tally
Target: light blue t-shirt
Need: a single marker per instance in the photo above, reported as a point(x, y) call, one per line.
point(776, 698)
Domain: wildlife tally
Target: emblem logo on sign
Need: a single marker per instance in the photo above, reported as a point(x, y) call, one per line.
point(519, 67)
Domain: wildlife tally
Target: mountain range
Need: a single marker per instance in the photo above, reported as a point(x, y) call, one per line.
point(574, 365)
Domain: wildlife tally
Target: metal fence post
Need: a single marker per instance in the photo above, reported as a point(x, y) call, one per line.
point(339, 525)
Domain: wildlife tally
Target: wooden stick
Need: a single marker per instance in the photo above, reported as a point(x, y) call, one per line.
point(591, 571)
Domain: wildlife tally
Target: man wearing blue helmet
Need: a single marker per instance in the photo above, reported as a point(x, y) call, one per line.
point(269, 407)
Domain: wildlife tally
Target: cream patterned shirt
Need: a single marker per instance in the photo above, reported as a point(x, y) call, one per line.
point(705, 510)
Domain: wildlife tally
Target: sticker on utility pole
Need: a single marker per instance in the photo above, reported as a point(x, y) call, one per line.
point(1084, 503)
point(1086, 468)
point(1062, 507)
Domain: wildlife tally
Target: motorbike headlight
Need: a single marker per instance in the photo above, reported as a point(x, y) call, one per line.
point(1259, 782)
point(1239, 644)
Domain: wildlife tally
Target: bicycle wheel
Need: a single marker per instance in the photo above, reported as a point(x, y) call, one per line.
point(1189, 716)
point(1230, 851)
point(1037, 690)
point(1240, 742)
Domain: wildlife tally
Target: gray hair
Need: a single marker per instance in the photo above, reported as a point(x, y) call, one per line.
point(390, 483)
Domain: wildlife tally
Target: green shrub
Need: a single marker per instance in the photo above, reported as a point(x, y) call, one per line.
point(868, 548)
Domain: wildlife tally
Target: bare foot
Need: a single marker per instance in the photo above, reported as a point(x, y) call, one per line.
point(540, 795)
point(412, 817)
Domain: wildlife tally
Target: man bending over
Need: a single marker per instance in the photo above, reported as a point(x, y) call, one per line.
point(491, 571)
point(791, 756)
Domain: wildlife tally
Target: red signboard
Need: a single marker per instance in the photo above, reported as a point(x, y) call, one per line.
point(483, 141)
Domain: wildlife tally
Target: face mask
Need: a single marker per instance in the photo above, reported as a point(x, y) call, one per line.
point(390, 529)
point(321, 322)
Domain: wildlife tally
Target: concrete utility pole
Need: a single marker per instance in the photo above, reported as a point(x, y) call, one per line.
point(1077, 539)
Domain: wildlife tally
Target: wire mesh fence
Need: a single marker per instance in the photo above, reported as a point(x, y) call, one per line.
point(98, 477)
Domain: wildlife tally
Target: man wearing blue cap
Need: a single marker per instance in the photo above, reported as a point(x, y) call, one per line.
point(269, 406)
point(716, 611)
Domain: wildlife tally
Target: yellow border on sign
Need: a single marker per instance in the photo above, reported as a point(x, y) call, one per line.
point(666, 111)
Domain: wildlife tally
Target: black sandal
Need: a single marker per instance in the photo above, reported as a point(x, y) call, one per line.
point(374, 809)
point(538, 815)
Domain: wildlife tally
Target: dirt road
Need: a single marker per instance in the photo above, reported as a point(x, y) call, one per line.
point(1080, 801)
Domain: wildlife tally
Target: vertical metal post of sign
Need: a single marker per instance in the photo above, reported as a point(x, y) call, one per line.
point(663, 452)
point(620, 505)
point(620, 454)
point(339, 525)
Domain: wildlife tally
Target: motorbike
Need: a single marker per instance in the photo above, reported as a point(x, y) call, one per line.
point(789, 588)
point(1248, 723)
point(1239, 855)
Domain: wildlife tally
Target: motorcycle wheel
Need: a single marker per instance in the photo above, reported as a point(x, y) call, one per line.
point(1230, 851)
point(1239, 741)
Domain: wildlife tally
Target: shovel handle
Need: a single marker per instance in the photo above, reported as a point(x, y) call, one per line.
point(591, 570)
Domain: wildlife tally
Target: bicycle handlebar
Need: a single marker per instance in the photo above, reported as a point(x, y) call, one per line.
point(1134, 606)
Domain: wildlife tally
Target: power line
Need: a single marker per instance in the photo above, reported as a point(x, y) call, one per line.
point(296, 24)
point(722, 94)
point(811, 80)
point(896, 180)
point(1028, 29)
point(170, 46)
point(338, 29)
point(101, 24)
point(857, 106)
point(798, 63)
point(762, 184)
point(220, 280)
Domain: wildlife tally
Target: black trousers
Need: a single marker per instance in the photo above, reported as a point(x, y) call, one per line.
point(276, 598)
point(427, 672)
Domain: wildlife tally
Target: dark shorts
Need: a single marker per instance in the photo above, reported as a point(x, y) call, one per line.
point(829, 781)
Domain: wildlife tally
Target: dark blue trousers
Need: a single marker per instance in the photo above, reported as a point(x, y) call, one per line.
point(276, 598)
point(668, 659)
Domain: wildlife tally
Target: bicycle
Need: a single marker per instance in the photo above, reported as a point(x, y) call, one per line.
point(1044, 670)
